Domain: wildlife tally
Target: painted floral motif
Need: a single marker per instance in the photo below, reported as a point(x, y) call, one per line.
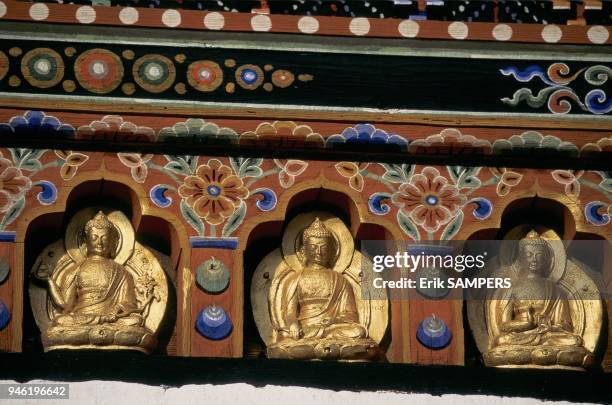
point(16, 172)
point(353, 171)
point(13, 184)
point(113, 127)
point(558, 96)
point(450, 141)
point(214, 192)
point(569, 178)
point(429, 200)
point(290, 134)
point(530, 140)
point(602, 145)
point(199, 131)
point(572, 179)
point(506, 179)
point(71, 161)
point(366, 134)
point(137, 162)
point(289, 170)
point(282, 133)
point(36, 122)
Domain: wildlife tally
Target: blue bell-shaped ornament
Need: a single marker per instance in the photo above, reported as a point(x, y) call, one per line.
point(213, 323)
point(433, 333)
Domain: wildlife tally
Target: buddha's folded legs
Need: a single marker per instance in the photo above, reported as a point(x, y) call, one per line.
point(76, 319)
point(345, 330)
point(532, 338)
point(561, 339)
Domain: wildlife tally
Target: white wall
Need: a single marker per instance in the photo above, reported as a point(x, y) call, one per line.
point(118, 393)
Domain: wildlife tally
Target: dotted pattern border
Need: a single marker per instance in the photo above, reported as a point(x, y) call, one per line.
point(307, 25)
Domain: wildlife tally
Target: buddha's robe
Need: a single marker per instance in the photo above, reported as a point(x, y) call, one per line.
point(97, 288)
point(547, 304)
point(323, 303)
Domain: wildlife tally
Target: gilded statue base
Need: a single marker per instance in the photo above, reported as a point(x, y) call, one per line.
point(99, 337)
point(519, 355)
point(325, 349)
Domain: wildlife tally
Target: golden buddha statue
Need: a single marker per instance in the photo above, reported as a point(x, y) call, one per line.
point(540, 321)
point(102, 290)
point(313, 300)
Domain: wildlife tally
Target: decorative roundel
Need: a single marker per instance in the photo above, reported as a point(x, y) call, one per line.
point(42, 67)
point(212, 276)
point(213, 323)
point(4, 65)
point(433, 333)
point(98, 70)
point(282, 78)
point(154, 73)
point(249, 77)
point(205, 75)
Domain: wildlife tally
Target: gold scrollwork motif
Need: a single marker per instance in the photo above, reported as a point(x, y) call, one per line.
point(550, 317)
point(98, 288)
point(307, 297)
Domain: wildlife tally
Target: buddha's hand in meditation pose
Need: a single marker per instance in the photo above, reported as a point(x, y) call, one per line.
point(543, 322)
point(110, 318)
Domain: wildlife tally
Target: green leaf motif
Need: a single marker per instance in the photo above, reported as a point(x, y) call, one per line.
point(192, 163)
point(606, 185)
point(192, 218)
point(236, 162)
point(606, 180)
point(178, 165)
point(27, 159)
point(408, 226)
point(31, 164)
point(397, 173)
point(455, 172)
point(235, 220)
point(250, 167)
point(453, 227)
point(18, 154)
point(13, 212)
point(465, 176)
point(469, 182)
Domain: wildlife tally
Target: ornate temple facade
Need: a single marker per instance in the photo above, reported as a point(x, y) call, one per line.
point(194, 178)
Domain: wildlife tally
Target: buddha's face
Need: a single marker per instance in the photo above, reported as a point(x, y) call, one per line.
point(319, 251)
point(535, 258)
point(100, 241)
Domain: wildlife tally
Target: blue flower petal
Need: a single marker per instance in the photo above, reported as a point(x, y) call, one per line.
point(268, 202)
point(48, 194)
point(158, 196)
point(591, 212)
point(484, 208)
point(375, 202)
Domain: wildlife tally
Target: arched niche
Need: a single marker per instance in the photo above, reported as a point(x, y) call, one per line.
point(555, 215)
point(155, 232)
point(266, 236)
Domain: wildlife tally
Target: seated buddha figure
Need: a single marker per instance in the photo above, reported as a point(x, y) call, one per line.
point(320, 318)
point(534, 322)
point(94, 301)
